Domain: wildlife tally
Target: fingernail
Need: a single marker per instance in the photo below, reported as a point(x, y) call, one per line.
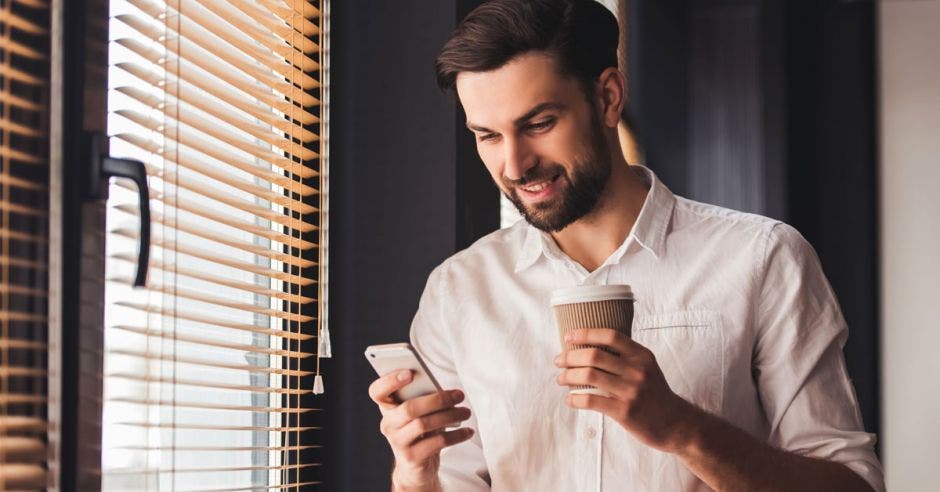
point(569, 337)
point(558, 360)
point(404, 375)
point(457, 395)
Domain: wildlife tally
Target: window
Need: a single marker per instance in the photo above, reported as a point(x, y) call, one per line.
point(24, 238)
point(209, 371)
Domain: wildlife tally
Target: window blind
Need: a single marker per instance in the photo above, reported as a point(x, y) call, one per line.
point(24, 197)
point(209, 371)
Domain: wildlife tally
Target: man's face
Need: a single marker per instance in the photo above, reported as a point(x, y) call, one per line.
point(540, 138)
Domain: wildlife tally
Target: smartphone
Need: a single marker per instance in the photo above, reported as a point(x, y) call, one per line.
point(393, 357)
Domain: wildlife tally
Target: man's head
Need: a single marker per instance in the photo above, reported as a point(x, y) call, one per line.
point(539, 84)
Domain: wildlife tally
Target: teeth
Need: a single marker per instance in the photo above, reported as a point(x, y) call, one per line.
point(537, 188)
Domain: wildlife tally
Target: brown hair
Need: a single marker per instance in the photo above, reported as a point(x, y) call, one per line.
point(581, 35)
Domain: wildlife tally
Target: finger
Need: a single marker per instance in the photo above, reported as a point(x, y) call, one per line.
point(587, 401)
point(608, 338)
point(591, 357)
point(590, 376)
point(428, 424)
point(382, 389)
point(421, 406)
point(433, 444)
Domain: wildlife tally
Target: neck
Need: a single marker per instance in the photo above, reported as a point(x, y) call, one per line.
point(593, 238)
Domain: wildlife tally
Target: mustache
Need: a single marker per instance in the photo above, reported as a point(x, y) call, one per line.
point(536, 174)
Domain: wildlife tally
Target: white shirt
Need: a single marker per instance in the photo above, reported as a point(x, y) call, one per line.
point(735, 307)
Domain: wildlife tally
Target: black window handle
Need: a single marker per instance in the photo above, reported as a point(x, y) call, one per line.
point(102, 169)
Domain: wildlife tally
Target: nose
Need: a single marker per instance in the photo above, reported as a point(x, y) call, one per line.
point(518, 158)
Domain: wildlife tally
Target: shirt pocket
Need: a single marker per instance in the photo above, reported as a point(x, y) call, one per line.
point(689, 347)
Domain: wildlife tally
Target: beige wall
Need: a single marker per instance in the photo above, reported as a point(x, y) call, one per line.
point(910, 241)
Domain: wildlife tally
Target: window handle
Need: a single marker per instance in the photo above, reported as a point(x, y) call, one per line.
point(103, 168)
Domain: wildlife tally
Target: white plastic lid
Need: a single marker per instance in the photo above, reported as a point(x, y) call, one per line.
point(590, 293)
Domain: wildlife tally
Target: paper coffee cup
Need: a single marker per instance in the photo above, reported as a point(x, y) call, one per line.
point(592, 306)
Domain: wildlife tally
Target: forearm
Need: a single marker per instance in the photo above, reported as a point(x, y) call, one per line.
point(727, 458)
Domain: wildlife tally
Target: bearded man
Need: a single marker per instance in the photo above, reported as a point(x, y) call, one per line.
point(734, 378)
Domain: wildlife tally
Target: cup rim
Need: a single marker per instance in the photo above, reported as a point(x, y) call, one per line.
point(591, 293)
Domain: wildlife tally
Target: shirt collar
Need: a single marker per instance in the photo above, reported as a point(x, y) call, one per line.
point(649, 231)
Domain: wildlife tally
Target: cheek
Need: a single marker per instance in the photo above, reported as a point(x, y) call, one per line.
point(491, 161)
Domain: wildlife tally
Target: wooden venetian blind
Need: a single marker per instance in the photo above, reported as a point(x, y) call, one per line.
point(24, 197)
point(210, 370)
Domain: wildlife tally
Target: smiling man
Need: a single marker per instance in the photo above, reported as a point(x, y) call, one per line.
point(734, 378)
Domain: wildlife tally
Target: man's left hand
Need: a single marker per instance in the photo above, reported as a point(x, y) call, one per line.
point(640, 399)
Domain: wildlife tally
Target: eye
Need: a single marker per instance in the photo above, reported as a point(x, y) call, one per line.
point(487, 137)
point(542, 125)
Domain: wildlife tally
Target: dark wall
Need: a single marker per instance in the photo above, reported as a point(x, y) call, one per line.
point(768, 106)
point(396, 209)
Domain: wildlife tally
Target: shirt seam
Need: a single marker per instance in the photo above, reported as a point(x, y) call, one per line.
point(759, 287)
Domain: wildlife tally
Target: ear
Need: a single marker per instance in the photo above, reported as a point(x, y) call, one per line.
point(611, 95)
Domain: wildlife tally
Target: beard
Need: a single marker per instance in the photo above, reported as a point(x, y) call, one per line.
point(580, 191)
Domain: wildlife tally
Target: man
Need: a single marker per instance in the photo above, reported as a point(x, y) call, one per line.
point(734, 378)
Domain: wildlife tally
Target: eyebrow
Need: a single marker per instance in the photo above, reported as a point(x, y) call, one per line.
point(546, 106)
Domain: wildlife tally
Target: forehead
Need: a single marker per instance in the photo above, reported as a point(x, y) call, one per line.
point(497, 97)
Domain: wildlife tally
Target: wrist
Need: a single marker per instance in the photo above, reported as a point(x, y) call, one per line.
point(689, 431)
point(414, 481)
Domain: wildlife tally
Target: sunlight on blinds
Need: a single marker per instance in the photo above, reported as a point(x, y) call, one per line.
point(24, 233)
point(209, 370)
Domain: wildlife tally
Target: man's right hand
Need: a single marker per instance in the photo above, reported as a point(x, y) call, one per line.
point(415, 430)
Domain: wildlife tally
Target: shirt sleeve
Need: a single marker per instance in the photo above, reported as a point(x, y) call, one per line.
point(804, 387)
point(463, 468)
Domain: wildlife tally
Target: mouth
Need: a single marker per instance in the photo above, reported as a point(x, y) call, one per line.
point(539, 190)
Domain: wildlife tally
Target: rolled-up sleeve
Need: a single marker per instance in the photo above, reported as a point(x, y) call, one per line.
point(804, 387)
point(463, 467)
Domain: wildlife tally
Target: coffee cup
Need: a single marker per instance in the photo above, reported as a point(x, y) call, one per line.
point(592, 306)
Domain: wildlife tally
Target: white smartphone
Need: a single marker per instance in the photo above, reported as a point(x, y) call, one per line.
point(393, 357)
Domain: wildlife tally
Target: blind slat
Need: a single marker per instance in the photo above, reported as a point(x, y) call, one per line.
point(213, 321)
point(294, 354)
point(16, 476)
point(150, 471)
point(286, 486)
point(178, 381)
point(24, 184)
point(195, 361)
point(175, 291)
point(19, 155)
point(19, 423)
point(174, 269)
point(209, 427)
point(216, 406)
point(16, 371)
point(21, 76)
point(21, 449)
point(7, 344)
point(11, 19)
point(7, 97)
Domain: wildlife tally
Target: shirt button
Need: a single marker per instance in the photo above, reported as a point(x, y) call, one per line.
point(590, 433)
